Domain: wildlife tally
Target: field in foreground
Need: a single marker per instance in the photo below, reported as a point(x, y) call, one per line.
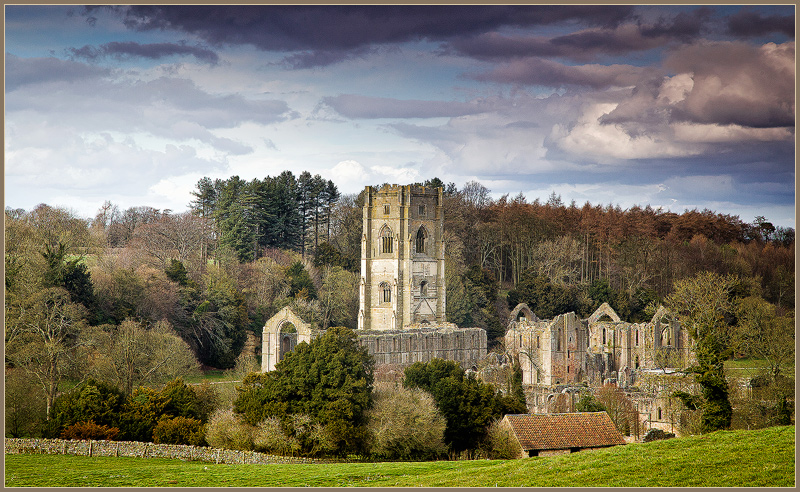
point(726, 458)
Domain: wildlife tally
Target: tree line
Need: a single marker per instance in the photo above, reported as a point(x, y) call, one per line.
point(201, 282)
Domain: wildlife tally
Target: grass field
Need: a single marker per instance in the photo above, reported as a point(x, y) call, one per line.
point(722, 459)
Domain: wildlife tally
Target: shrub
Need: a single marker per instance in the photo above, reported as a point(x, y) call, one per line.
point(226, 430)
point(405, 425)
point(657, 435)
point(500, 443)
point(179, 430)
point(468, 405)
point(270, 437)
point(83, 431)
point(94, 401)
point(315, 439)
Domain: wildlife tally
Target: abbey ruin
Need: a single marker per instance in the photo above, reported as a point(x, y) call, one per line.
point(401, 320)
point(402, 295)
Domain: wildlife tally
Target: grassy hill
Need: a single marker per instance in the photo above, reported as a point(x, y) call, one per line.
point(721, 459)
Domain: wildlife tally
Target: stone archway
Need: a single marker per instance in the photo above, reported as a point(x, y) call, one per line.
point(281, 334)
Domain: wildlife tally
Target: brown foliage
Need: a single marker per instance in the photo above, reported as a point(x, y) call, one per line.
point(83, 431)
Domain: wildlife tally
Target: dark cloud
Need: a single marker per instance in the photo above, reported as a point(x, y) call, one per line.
point(24, 71)
point(322, 58)
point(684, 26)
point(586, 44)
point(750, 24)
point(331, 29)
point(152, 51)
point(538, 71)
point(355, 106)
point(737, 84)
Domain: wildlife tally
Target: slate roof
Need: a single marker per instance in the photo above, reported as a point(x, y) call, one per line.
point(565, 430)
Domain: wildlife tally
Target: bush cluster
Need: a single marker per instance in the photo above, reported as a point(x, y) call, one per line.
point(176, 414)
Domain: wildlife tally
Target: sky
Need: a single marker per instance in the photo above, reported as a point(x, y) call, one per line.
point(676, 107)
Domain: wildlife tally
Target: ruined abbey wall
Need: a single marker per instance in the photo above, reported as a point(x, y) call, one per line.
point(568, 349)
point(467, 346)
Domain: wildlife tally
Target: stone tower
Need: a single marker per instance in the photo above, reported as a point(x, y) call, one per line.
point(402, 258)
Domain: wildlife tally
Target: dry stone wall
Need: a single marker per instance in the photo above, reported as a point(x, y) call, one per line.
point(134, 449)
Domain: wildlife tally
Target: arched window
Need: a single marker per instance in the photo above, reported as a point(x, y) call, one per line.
point(666, 337)
point(386, 293)
point(636, 364)
point(386, 239)
point(422, 237)
point(659, 413)
point(423, 288)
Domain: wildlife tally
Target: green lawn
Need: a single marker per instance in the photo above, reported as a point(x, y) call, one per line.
point(747, 368)
point(722, 459)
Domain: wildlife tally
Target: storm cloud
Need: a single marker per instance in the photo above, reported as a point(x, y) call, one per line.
point(595, 102)
point(152, 51)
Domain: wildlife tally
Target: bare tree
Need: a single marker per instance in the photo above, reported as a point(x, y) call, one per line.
point(45, 339)
point(179, 236)
point(133, 355)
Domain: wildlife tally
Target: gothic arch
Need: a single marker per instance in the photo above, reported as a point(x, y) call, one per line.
point(283, 328)
point(604, 310)
point(525, 311)
point(421, 240)
point(386, 244)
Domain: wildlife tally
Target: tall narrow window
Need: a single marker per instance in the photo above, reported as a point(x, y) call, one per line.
point(386, 210)
point(423, 288)
point(421, 238)
point(386, 293)
point(422, 210)
point(386, 239)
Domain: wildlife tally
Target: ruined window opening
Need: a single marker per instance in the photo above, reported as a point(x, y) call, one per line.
point(558, 341)
point(659, 413)
point(538, 345)
point(636, 363)
point(386, 209)
point(604, 336)
point(637, 338)
point(386, 239)
point(422, 210)
point(666, 337)
point(423, 288)
point(422, 237)
point(386, 293)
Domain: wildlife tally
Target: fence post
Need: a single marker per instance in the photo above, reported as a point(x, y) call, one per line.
point(90, 447)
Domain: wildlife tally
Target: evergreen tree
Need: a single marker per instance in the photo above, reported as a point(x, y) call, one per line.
point(329, 380)
point(468, 405)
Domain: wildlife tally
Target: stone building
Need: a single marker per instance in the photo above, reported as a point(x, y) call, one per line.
point(562, 433)
point(402, 297)
point(402, 258)
point(568, 349)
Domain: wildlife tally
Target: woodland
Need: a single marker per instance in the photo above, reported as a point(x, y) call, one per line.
point(133, 299)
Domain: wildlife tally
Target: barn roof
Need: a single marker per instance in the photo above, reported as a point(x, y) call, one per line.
point(565, 430)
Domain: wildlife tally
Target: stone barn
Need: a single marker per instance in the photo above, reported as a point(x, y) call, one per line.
point(548, 435)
